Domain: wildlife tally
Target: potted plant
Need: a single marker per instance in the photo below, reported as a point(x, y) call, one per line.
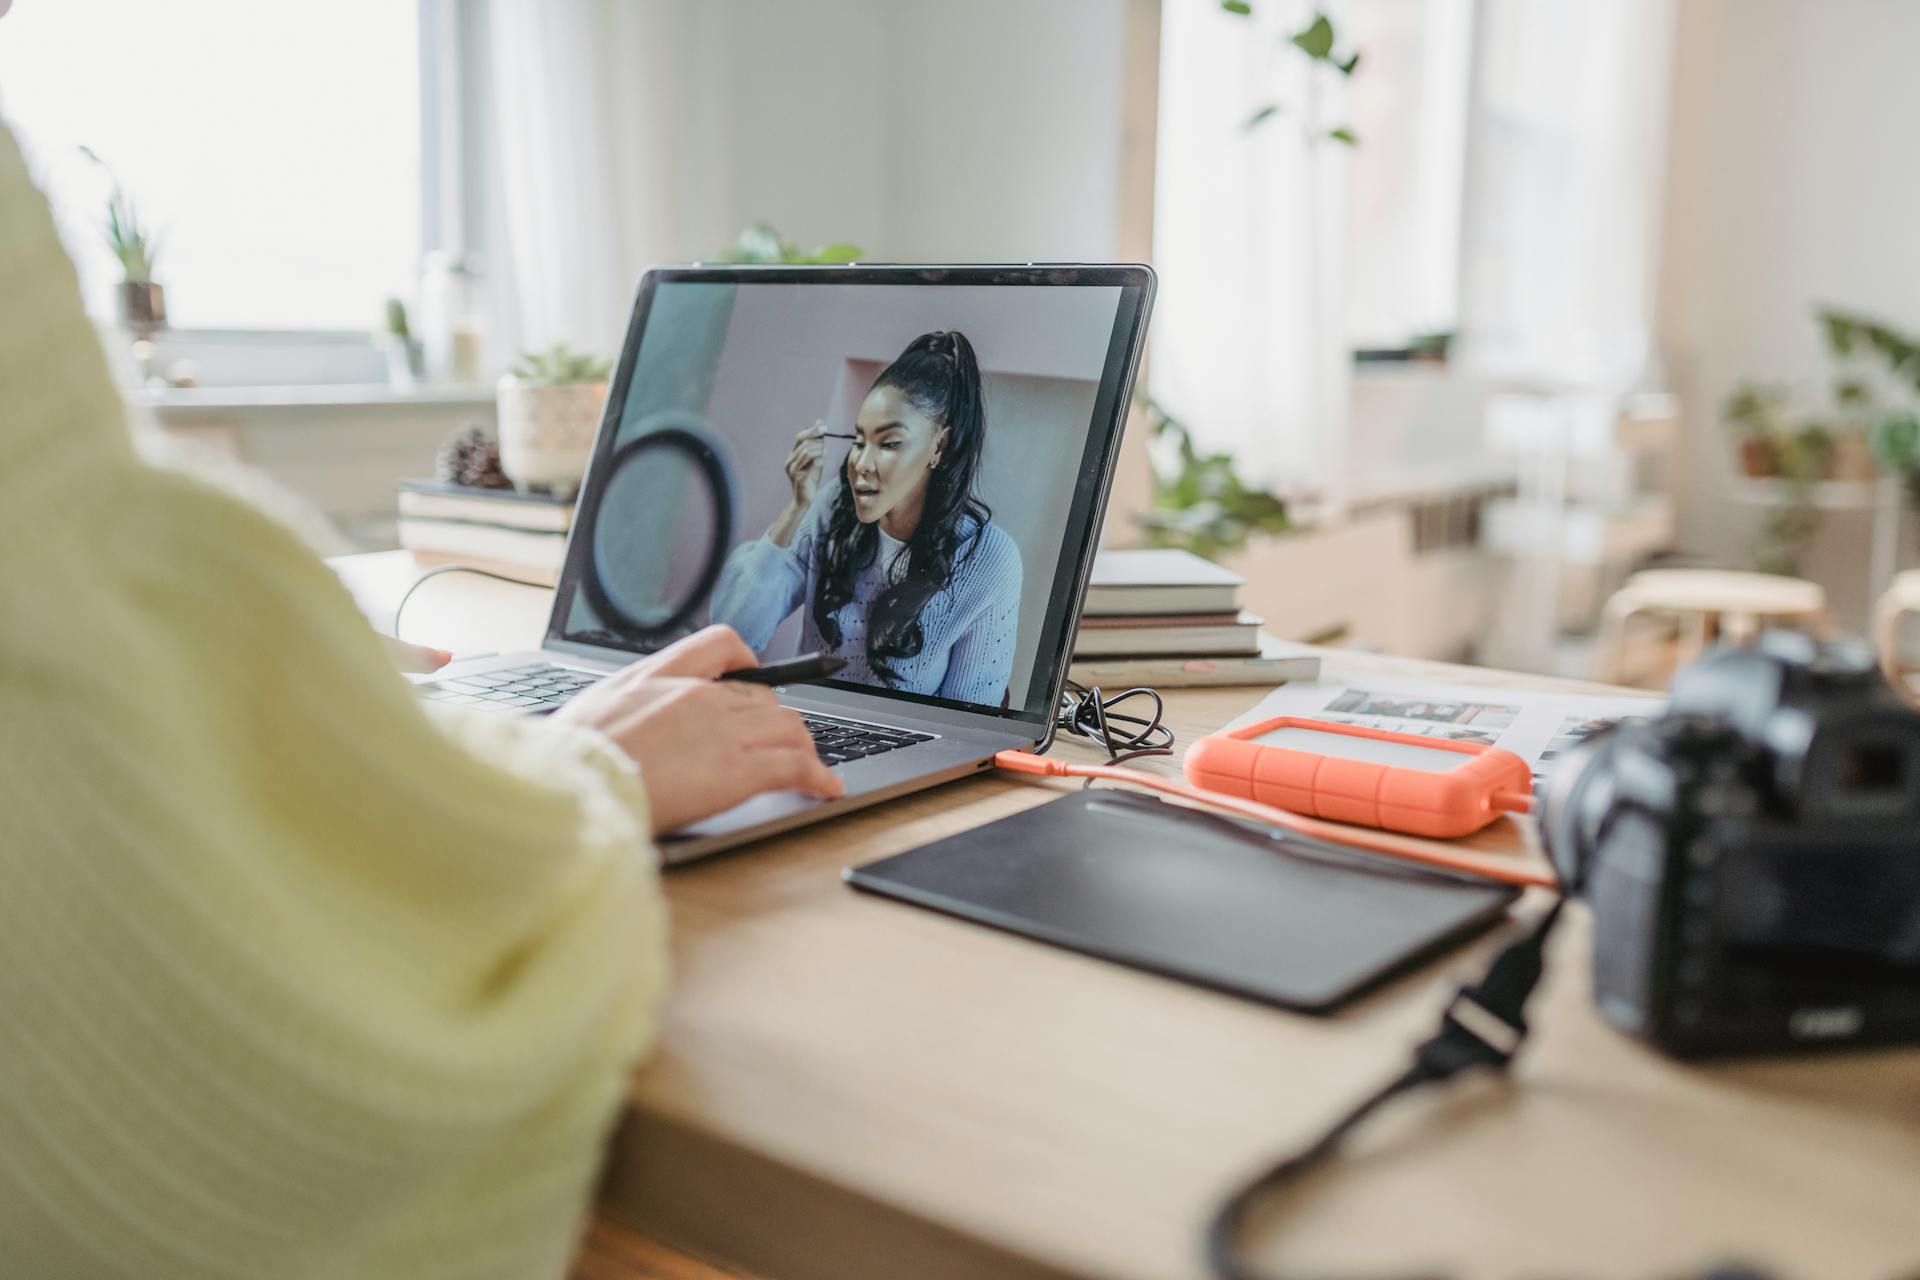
point(1805, 458)
point(1892, 427)
point(135, 245)
point(1199, 502)
point(1758, 413)
point(761, 244)
point(404, 360)
point(1896, 447)
point(549, 408)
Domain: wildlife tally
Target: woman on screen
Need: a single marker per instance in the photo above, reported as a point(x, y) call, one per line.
point(896, 562)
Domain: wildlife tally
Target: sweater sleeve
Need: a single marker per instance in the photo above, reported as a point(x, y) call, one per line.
point(761, 583)
point(980, 663)
point(298, 980)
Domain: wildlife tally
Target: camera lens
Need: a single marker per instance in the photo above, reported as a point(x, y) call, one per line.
point(1579, 792)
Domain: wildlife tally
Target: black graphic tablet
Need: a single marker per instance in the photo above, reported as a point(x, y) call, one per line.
point(1185, 894)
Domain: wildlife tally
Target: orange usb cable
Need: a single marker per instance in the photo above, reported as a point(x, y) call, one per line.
point(1334, 833)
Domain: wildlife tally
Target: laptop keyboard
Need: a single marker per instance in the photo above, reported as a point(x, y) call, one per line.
point(839, 741)
point(542, 687)
point(537, 688)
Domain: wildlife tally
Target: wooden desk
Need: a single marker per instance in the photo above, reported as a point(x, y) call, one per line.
point(849, 1087)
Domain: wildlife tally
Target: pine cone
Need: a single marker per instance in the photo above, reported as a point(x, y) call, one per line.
point(471, 457)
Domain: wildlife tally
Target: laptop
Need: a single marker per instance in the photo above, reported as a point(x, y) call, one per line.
point(902, 467)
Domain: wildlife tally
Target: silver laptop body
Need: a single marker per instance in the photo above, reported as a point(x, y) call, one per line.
point(916, 740)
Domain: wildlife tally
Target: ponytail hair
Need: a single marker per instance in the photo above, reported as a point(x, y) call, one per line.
point(939, 374)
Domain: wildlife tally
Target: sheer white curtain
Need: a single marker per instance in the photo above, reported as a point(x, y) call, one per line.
point(1560, 260)
point(1248, 344)
point(589, 106)
point(1564, 186)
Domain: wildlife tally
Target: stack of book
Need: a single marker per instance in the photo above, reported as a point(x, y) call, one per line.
point(1169, 618)
point(523, 535)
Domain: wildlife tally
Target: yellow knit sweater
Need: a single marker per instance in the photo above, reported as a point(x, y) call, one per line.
point(294, 981)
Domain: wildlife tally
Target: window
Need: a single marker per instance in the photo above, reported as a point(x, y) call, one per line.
point(1409, 108)
point(275, 148)
point(1279, 247)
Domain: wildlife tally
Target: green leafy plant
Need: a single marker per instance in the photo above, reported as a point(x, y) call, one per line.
point(397, 326)
point(1878, 398)
point(1874, 385)
point(1850, 334)
point(1758, 413)
point(1896, 446)
point(1797, 456)
point(1200, 504)
point(1317, 40)
point(561, 365)
point(1890, 413)
point(761, 244)
point(133, 243)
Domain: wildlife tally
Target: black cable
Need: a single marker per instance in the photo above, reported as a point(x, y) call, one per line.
point(1089, 713)
point(435, 572)
point(1484, 1026)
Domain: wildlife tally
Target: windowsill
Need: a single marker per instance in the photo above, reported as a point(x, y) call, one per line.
point(1404, 370)
point(338, 395)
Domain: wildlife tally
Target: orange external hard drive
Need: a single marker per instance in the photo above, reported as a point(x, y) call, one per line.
point(1347, 773)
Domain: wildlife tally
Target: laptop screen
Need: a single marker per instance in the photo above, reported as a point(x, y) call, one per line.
point(901, 473)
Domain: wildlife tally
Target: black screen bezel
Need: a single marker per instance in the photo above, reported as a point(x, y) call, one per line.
point(1092, 482)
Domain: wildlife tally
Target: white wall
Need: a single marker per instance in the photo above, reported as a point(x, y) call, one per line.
point(1005, 124)
point(922, 130)
point(1793, 183)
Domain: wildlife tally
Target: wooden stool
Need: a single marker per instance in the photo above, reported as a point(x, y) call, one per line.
point(1718, 604)
point(1902, 597)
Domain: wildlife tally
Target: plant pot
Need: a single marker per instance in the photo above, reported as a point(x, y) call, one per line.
point(1759, 458)
point(143, 306)
point(547, 430)
point(1853, 459)
point(404, 362)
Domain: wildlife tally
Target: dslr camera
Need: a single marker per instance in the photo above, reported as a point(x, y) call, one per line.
point(1752, 856)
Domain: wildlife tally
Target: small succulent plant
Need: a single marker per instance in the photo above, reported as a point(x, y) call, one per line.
point(560, 365)
point(135, 244)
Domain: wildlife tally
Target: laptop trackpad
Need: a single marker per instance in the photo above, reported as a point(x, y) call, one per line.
point(765, 807)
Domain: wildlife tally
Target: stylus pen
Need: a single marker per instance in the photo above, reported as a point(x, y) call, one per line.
point(808, 666)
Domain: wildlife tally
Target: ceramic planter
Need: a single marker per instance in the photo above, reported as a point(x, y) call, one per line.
point(1853, 459)
point(143, 306)
point(547, 430)
point(1759, 458)
point(403, 362)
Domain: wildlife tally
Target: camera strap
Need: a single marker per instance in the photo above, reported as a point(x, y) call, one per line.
point(1484, 1026)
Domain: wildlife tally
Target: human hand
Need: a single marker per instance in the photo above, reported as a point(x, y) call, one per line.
point(416, 658)
point(703, 745)
point(807, 463)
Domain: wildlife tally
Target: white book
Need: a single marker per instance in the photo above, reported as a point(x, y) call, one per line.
point(1277, 663)
point(1184, 635)
point(537, 549)
point(433, 500)
point(1159, 580)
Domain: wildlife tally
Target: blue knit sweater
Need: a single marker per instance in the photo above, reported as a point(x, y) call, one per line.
point(968, 626)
